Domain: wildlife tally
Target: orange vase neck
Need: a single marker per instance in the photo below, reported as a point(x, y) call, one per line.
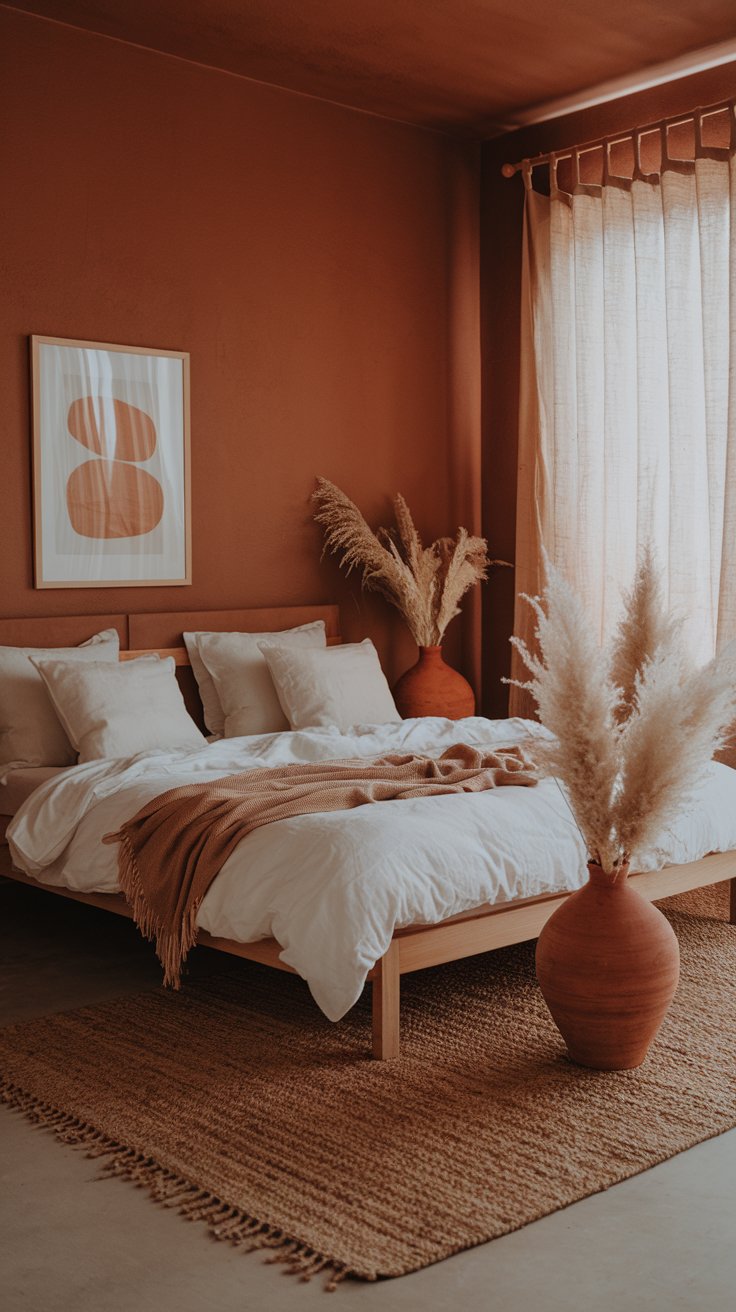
point(601, 878)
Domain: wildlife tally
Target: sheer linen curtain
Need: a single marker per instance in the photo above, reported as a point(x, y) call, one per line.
point(628, 390)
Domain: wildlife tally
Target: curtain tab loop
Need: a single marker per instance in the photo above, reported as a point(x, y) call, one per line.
point(526, 173)
point(664, 142)
point(698, 125)
point(606, 163)
point(638, 170)
point(660, 128)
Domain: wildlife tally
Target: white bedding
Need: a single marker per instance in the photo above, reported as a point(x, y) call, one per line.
point(331, 888)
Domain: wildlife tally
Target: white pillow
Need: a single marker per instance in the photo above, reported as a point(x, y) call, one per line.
point(339, 686)
point(239, 678)
point(214, 716)
point(118, 710)
point(30, 732)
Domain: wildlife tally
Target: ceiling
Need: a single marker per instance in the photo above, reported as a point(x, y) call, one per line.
point(463, 65)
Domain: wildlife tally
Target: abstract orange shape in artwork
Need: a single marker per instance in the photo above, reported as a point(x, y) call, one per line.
point(133, 436)
point(106, 499)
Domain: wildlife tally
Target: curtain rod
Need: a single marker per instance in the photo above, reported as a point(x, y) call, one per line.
point(508, 170)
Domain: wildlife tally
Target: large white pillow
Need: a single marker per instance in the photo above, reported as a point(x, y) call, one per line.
point(119, 710)
point(240, 682)
point(339, 686)
point(30, 732)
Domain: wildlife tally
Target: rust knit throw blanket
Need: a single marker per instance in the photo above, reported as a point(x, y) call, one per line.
point(174, 847)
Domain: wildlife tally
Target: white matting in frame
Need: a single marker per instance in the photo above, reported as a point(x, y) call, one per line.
point(111, 476)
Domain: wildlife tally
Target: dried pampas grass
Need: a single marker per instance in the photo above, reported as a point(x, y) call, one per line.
point(645, 627)
point(635, 724)
point(426, 584)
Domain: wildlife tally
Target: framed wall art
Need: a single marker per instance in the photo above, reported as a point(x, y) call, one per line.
point(111, 465)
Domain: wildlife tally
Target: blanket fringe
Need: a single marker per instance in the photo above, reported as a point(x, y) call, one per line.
point(166, 1187)
point(172, 945)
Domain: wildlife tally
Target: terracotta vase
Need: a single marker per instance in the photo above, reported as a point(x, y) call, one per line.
point(608, 963)
point(433, 688)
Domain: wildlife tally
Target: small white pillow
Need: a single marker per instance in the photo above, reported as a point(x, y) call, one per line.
point(339, 686)
point(30, 732)
point(118, 710)
point(239, 678)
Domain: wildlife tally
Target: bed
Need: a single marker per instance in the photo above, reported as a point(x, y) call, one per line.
point(492, 898)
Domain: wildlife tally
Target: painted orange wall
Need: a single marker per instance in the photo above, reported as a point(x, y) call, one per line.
point(319, 264)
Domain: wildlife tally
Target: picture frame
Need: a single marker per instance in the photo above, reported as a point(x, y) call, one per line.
point(111, 465)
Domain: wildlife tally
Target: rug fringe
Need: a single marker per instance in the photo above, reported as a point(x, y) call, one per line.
point(224, 1221)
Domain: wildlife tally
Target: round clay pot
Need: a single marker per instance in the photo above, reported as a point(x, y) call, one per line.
point(608, 963)
point(433, 688)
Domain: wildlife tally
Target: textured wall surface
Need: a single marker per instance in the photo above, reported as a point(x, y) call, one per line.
point(319, 265)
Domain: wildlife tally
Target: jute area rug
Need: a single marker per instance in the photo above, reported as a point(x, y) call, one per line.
point(237, 1103)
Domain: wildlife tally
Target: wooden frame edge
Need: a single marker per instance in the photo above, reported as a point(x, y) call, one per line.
point(418, 947)
point(40, 585)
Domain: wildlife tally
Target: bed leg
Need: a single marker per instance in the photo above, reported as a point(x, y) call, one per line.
point(732, 902)
point(386, 1005)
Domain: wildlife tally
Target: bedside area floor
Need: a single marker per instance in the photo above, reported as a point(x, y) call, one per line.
point(662, 1240)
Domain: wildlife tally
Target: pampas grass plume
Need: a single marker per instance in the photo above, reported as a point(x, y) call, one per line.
point(635, 724)
point(426, 584)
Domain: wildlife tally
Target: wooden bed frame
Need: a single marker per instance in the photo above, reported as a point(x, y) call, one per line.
point(417, 946)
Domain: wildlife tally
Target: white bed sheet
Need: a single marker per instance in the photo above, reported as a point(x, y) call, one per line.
point(332, 887)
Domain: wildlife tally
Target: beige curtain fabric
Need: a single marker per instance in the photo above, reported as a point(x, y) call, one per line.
point(628, 392)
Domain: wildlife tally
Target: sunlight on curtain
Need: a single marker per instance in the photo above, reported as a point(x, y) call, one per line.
point(628, 392)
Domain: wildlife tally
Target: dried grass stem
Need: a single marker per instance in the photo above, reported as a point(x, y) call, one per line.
point(635, 724)
point(426, 584)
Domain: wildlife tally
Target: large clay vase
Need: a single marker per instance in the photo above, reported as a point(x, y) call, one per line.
point(608, 963)
point(431, 687)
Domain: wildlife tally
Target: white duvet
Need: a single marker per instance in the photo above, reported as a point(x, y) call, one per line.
point(331, 888)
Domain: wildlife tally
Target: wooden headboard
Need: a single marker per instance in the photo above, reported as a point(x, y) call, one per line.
point(161, 631)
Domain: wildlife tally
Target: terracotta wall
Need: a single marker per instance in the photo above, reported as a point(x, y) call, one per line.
point(319, 264)
point(502, 206)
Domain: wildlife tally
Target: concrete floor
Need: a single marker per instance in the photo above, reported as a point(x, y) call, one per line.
point(664, 1241)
